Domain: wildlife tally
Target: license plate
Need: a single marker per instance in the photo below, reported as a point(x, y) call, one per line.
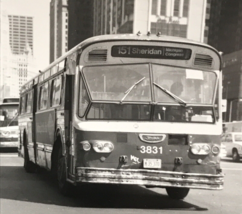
point(152, 163)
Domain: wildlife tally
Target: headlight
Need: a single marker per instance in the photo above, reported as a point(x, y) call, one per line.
point(102, 146)
point(200, 149)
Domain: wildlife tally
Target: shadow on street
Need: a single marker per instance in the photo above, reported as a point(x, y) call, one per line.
point(39, 187)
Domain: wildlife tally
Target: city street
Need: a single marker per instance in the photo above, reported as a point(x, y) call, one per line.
point(21, 192)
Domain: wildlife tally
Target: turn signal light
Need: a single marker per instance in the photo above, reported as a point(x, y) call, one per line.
point(86, 146)
point(215, 149)
point(200, 148)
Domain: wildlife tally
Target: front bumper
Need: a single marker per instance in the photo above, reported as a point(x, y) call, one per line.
point(9, 144)
point(150, 177)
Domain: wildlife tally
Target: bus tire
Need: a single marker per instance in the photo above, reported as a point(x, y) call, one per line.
point(177, 193)
point(64, 186)
point(235, 155)
point(29, 166)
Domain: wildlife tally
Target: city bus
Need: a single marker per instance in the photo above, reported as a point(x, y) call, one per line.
point(9, 130)
point(127, 109)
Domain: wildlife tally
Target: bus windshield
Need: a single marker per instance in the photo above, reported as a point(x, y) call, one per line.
point(119, 82)
point(8, 115)
point(171, 89)
point(133, 83)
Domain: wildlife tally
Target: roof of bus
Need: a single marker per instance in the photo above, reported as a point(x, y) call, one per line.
point(126, 37)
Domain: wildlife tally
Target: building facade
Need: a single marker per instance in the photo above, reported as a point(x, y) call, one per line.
point(80, 25)
point(225, 34)
point(225, 25)
point(7, 73)
point(232, 86)
point(20, 33)
point(182, 18)
point(58, 28)
point(17, 63)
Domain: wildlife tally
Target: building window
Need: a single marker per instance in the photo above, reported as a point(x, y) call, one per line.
point(163, 8)
point(185, 8)
point(176, 8)
point(154, 7)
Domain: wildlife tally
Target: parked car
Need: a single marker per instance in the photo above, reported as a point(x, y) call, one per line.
point(233, 145)
point(223, 152)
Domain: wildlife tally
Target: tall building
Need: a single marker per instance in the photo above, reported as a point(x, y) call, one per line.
point(16, 52)
point(58, 28)
point(232, 83)
point(7, 73)
point(182, 18)
point(225, 25)
point(20, 33)
point(225, 34)
point(80, 25)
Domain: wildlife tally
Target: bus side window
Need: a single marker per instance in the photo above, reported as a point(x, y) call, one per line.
point(23, 104)
point(56, 91)
point(20, 105)
point(62, 89)
point(43, 96)
point(29, 101)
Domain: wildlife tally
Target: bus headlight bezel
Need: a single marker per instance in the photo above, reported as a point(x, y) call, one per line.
point(99, 146)
point(102, 146)
point(200, 149)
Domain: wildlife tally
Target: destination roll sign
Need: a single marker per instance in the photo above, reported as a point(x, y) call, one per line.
point(155, 52)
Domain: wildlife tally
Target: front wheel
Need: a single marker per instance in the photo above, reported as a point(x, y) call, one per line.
point(177, 193)
point(29, 166)
point(235, 155)
point(65, 187)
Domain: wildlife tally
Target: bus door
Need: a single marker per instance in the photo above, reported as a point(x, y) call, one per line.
point(68, 107)
point(44, 126)
point(29, 129)
point(34, 109)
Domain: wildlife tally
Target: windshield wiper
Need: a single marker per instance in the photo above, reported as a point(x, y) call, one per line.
point(173, 96)
point(130, 89)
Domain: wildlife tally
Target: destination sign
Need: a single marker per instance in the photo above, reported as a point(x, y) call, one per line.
point(155, 52)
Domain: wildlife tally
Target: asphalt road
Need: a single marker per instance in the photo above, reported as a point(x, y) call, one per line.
point(37, 193)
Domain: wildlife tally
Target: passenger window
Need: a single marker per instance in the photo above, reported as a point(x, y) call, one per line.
point(23, 104)
point(62, 89)
point(43, 96)
point(29, 102)
point(56, 91)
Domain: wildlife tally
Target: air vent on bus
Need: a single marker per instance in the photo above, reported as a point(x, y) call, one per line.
point(98, 55)
point(203, 60)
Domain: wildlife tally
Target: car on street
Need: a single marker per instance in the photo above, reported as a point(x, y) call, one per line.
point(231, 145)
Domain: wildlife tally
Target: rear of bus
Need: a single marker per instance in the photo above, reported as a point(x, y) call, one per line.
point(147, 112)
point(9, 125)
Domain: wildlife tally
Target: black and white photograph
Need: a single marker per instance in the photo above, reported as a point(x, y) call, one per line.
point(120, 106)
